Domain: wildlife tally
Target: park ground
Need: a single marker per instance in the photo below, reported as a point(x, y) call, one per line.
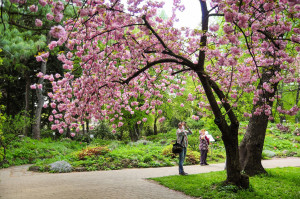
point(19, 183)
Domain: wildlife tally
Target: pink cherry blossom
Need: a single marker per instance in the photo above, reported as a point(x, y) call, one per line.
point(38, 23)
point(58, 17)
point(52, 45)
point(50, 17)
point(33, 86)
point(40, 75)
point(57, 31)
point(51, 118)
point(214, 28)
point(43, 2)
point(33, 8)
point(39, 58)
point(39, 86)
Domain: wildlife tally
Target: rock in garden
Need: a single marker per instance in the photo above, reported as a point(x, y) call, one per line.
point(269, 153)
point(61, 167)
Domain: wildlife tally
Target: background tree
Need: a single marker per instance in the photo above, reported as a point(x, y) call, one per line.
point(23, 36)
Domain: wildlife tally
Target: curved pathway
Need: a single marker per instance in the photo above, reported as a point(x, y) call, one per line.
point(18, 183)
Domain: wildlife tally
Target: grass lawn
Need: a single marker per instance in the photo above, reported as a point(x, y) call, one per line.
point(278, 183)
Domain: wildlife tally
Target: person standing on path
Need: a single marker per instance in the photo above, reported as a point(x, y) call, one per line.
point(182, 134)
point(203, 147)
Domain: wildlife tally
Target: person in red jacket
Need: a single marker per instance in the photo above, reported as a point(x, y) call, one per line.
point(203, 147)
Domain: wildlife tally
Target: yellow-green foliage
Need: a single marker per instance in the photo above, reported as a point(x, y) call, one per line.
point(192, 157)
point(92, 151)
point(167, 151)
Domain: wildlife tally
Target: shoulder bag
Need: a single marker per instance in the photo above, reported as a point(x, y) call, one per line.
point(177, 148)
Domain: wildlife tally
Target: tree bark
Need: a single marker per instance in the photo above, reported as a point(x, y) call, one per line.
point(68, 133)
point(233, 168)
point(297, 100)
point(36, 128)
point(27, 105)
point(155, 132)
point(229, 132)
point(251, 146)
point(133, 135)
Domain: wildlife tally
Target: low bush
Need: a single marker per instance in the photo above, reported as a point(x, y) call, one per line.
point(91, 151)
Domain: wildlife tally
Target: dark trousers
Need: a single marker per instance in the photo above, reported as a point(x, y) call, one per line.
point(203, 156)
point(181, 160)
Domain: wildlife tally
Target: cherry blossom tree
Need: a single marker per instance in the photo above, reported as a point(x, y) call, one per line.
point(123, 50)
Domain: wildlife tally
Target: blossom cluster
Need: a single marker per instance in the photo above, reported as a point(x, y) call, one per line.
point(127, 51)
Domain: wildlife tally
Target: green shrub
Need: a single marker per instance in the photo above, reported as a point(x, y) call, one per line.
point(192, 157)
point(147, 158)
point(195, 124)
point(10, 128)
point(167, 150)
point(103, 131)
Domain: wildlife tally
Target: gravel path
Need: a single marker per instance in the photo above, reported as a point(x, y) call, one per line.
point(19, 183)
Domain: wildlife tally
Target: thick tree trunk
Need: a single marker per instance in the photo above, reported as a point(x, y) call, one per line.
point(133, 135)
point(120, 137)
point(68, 133)
point(27, 105)
point(229, 133)
point(297, 100)
point(135, 132)
point(8, 102)
point(155, 132)
point(252, 144)
point(233, 168)
point(88, 127)
point(36, 128)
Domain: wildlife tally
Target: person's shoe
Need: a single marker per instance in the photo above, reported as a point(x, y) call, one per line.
point(183, 174)
point(206, 164)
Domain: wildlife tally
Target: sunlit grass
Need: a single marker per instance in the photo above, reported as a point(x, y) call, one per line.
point(278, 183)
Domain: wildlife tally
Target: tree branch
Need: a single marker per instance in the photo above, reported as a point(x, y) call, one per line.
point(183, 70)
point(167, 50)
point(216, 15)
point(24, 27)
point(270, 38)
point(156, 35)
point(223, 99)
point(149, 65)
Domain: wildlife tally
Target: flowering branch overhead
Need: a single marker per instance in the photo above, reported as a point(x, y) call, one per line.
point(127, 50)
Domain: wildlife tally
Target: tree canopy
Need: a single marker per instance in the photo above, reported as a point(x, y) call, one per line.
point(124, 50)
